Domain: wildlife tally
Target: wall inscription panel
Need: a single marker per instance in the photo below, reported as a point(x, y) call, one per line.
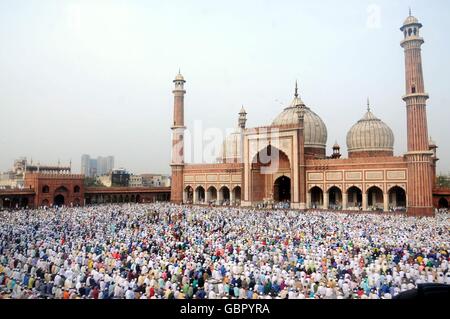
point(212, 178)
point(396, 175)
point(315, 176)
point(374, 175)
point(353, 176)
point(200, 178)
point(189, 178)
point(334, 176)
point(236, 178)
point(224, 178)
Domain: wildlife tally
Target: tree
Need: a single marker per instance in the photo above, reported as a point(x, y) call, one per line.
point(92, 182)
point(443, 181)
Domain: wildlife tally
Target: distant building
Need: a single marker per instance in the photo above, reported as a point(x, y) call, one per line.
point(85, 164)
point(135, 181)
point(155, 180)
point(92, 167)
point(49, 189)
point(15, 178)
point(120, 177)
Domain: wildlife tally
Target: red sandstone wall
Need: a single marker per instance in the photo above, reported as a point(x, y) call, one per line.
point(366, 154)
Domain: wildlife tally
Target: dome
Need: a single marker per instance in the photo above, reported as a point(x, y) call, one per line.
point(314, 128)
point(370, 134)
point(231, 148)
point(179, 77)
point(411, 20)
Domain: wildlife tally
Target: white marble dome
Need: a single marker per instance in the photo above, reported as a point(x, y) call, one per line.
point(179, 77)
point(314, 128)
point(231, 148)
point(370, 134)
point(411, 20)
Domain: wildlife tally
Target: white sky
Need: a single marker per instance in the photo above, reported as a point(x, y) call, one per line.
point(96, 77)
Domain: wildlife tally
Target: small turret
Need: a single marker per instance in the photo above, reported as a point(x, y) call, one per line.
point(242, 118)
point(336, 151)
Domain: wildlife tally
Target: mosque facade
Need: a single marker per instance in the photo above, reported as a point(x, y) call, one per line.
point(287, 162)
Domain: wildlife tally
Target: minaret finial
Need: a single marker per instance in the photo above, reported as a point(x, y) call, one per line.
point(296, 89)
point(410, 12)
point(368, 104)
point(179, 70)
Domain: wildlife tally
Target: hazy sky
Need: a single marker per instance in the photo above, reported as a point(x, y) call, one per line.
point(96, 77)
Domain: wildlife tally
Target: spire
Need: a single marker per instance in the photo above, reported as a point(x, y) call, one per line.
point(368, 104)
point(179, 76)
point(296, 89)
point(410, 12)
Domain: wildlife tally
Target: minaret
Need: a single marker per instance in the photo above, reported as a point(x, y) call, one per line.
point(242, 126)
point(242, 122)
point(433, 148)
point(242, 118)
point(419, 157)
point(178, 128)
point(301, 154)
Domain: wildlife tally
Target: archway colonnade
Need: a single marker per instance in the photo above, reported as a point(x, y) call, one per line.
point(224, 195)
point(353, 198)
point(119, 198)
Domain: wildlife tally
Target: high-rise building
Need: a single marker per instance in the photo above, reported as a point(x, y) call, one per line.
point(105, 165)
point(91, 167)
point(85, 164)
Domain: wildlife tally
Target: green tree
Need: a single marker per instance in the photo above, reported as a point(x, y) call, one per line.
point(92, 182)
point(443, 181)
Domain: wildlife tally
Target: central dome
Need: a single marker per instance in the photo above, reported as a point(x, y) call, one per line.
point(314, 128)
point(370, 136)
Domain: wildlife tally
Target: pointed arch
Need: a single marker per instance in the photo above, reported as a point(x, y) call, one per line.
point(397, 198)
point(354, 194)
point(375, 198)
point(282, 189)
point(335, 197)
point(316, 195)
point(200, 195)
point(443, 203)
point(224, 195)
point(188, 194)
point(267, 165)
point(236, 192)
point(211, 195)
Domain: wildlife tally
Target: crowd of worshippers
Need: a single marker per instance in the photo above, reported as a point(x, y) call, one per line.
point(167, 251)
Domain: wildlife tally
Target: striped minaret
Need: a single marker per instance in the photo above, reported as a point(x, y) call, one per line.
point(419, 157)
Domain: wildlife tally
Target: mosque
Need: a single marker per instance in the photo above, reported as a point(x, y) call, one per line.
point(287, 162)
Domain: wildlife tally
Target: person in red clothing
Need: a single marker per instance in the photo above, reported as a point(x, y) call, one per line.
point(152, 292)
point(66, 294)
point(95, 292)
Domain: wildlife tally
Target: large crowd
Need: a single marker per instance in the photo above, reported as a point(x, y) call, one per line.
point(165, 251)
